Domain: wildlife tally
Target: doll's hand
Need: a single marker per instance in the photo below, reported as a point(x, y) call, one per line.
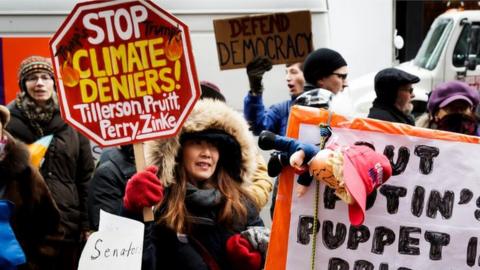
point(296, 159)
point(301, 190)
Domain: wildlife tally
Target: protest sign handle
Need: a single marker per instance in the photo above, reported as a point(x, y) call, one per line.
point(140, 165)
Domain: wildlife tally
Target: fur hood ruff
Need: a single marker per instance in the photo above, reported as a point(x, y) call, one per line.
point(207, 114)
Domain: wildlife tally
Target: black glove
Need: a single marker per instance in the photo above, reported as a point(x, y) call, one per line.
point(255, 70)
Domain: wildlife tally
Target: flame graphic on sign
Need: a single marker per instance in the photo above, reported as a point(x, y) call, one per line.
point(70, 76)
point(173, 48)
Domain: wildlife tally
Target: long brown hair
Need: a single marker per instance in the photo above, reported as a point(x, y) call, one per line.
point(232, 207)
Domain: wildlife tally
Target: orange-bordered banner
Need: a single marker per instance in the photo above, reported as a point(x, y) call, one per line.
point(426, 215)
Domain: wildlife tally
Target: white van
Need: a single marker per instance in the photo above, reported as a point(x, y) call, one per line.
point(450, 51)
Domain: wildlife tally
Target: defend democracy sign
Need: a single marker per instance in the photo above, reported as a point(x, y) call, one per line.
point(282, 37)
point(426, 216)
point(125, 70)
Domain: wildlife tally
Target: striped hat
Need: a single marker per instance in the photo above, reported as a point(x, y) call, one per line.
point(31, 65)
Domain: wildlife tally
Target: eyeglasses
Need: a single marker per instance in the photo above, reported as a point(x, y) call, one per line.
point(34, 78)
point(341, 76)
point(409, 90)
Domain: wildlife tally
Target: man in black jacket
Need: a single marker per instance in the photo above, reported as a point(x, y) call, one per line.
point(107, 187)
point(394, 94)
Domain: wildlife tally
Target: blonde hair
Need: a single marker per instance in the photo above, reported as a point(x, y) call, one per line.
point(336, 162)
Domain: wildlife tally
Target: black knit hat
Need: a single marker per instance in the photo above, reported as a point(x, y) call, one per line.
point(228, 147)
point(210, 90)
point(321, 63)
point(387, 82)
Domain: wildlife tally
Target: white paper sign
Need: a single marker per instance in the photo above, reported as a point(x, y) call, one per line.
point(426, 216)
point(118, 244)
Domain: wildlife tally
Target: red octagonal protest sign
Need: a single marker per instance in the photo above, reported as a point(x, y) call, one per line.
point(125, 71)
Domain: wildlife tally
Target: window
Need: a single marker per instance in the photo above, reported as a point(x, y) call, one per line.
point(433, 45)
point(461, 48)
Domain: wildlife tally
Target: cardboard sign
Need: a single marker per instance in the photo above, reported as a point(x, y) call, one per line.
point(426, 216)
point(282, 37)
point(125, 71)
point(118, 245)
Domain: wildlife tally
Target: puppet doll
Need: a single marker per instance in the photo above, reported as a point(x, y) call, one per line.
point(353, 171)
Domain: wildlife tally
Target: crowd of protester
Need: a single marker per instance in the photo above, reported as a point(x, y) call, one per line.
point(207, 184)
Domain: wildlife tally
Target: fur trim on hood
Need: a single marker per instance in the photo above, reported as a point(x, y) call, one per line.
point(17, 158)
point(207, 114)
point(4, 115)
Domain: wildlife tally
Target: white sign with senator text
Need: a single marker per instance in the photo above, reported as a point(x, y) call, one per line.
point(118, 244)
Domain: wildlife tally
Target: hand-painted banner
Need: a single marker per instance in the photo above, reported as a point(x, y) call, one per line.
point(125, 71)
point(282, 37)
point(426, 216)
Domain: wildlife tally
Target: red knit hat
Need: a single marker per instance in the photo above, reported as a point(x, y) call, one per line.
point(210, 90)
point(241, 254)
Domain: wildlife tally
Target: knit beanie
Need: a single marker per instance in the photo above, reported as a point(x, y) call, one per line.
point(210, 90)
point(4, 115)
point(321, 63)
point(31, 65)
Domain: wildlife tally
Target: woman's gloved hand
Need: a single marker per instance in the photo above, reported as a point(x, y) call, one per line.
point(242, 255)
point(143, 190)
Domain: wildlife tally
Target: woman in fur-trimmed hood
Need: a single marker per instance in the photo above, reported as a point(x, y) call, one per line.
point(203, 203)
point(207, 114)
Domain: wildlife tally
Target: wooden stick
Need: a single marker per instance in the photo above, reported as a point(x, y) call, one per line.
point(140, 165)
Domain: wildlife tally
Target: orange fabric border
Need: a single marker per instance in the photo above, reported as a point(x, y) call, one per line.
point(14, 50)
point(277, 250)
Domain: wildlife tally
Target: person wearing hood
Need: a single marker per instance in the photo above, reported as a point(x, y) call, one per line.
point(68, 164)
point(276, 117)
point(451, 107)
point(394, 91)
point(22, 184)
point(117, 164)
point(198, 182)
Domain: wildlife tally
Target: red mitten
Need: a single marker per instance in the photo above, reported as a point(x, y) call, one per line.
point(143, 190)
point(242, 255)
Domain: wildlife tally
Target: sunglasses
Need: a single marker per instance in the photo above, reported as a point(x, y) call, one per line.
point(409, 90)
point(340, 75)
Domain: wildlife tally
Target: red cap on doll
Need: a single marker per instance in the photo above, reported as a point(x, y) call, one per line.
point(363, 171)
